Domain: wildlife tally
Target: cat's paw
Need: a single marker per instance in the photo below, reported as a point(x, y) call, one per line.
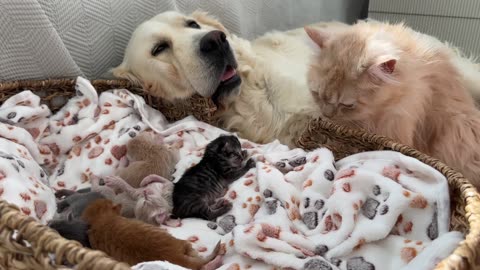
point(250, 164)
point(112, 182)
point(220, 203)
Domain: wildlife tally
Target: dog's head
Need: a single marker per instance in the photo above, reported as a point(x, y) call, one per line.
point(175, 56)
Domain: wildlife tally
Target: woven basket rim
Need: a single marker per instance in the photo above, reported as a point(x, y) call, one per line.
point(465, 252)
point(469, 248)
point(25, 84)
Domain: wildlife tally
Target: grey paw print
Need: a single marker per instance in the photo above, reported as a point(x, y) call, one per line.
point(271, 206)
point(212, 225)
point(298, 162)
point(317, 264)
point(310, 219)
point(432, 229)
point(359, 263)
point(372, 206)
point(321, 250)
point(227, 223)
point(317, 204)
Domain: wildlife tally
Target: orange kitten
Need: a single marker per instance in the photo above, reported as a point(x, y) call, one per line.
point(390, 80)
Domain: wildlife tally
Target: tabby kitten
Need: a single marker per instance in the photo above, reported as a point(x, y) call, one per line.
point(199, 193)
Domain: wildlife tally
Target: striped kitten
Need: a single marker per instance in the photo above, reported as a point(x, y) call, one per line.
point(200, 190)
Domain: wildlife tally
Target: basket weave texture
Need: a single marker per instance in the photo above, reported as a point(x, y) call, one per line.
point(26, 244)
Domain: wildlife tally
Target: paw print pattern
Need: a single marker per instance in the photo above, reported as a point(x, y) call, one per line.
point(408, 253)
point(317, 264)
point(321, 250)
point(432, 229)
point(319, 204)
point(359, 263)
point(271, 206)
point(227, 223)
point(336, 261)
point(212, 225)
point(329, 175)
point(369, 208)
point(372, 206)
point(306, 202)
point(310, 219)
point(392, 172)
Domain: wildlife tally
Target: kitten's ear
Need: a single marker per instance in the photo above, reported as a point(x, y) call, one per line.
point(318, 36)
point(383, 68)
point(225, 146)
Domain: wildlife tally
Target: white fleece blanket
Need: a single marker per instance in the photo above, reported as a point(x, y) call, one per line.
point(295, 210)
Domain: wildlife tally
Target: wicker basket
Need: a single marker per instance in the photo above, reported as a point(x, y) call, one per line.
point(26, 244)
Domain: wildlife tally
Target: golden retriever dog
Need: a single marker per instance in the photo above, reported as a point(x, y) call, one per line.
point(260, 86)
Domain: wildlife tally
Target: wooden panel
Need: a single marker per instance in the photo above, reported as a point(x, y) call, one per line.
point(461, 32)
point(449, 8)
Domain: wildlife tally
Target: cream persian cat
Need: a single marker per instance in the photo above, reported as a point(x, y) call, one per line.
point(393, 81)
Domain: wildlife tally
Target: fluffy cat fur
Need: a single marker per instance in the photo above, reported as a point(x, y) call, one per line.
point(152, 200)
point(199, 191)
point(393, 81)
point(148, 155)
point(134, 241)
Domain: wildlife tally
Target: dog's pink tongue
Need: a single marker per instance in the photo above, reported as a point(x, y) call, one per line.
point(229, 73)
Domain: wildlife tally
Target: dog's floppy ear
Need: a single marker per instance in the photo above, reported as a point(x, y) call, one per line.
point(204, 18)
point(123, 72)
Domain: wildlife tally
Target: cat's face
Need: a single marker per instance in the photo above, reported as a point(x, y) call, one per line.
point(229, 149)
point(336, 82)
point(344, 79)
point(152, 207)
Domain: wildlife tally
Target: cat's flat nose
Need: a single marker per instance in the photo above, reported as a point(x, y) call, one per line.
point(328, 110)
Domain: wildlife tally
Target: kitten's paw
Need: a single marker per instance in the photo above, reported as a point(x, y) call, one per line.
point(220, 203)
point(112, 182)
point(250, 163)
point(173, 222)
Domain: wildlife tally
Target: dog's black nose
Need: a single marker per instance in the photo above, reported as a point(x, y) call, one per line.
point(213, 41)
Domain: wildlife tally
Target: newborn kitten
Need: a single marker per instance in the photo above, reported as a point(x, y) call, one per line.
point(390, 80)
point(72, 205)
point(199, 192)
point(147, 155)
point(72, 230)
point(123, 198)
point(133, 241)
point(153, 200)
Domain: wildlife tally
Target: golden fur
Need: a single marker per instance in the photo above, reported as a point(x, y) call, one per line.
point(273, 70)
point(393, 81)
point(148, 155)
point(133, 241)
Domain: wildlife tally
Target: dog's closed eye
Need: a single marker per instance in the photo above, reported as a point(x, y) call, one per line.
point(192, 24)
point(159, 48)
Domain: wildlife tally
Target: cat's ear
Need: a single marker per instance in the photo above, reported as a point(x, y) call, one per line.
point(318, 36)
point(383, 68)
point(226, 146)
